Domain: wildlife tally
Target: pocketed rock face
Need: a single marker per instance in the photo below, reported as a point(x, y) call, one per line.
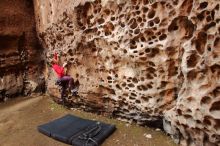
point(20, 53)
point(141, 61)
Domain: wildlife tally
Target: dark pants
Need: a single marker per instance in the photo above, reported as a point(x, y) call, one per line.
point(66, 82)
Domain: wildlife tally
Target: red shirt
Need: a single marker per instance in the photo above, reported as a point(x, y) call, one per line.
point(59, 70)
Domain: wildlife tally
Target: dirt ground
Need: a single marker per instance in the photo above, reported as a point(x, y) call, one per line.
point(20, 117)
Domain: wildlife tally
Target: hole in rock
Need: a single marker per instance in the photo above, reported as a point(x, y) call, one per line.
point(217, 42)
point(109, 78)
point(133, 94)
point(124, 84)
point(216, 91)
point(151, 23)
point(121, 16)
point(145, 9)
point(217, 7)
point(101, 20)
point(141, 53)
point(107, 11)
point(135, 80)
point(139, 19)
point(134, 24)
point(192, 60)
point(157, 20)
point(149, 86)
point(122, 24)
point(205, 100)
point(125, 51)
point(203, 5)
point(208, 18)
point(162, 37)
point(207, 121)
point(213, 14)
point(117, 86)
point(145, 98)
point(209, 49)
point(201, 15)
point(217, 124)
point(131, 97)
point(209, 25)
point(190, 99)
point(143, 39)
point(138, 12)
point(135, 52)
point(137, 31)
point(151, 14)
point(188, 116)
point(131, 85)
point(215, 107)
point(112, 18)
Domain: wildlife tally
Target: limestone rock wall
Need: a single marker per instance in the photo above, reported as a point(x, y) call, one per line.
point(141, 60)
point(20, 53)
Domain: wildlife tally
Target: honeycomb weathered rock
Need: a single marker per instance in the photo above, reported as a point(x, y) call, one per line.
point(141, 61)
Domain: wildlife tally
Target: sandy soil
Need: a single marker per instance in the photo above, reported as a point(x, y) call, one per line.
point(20, 117)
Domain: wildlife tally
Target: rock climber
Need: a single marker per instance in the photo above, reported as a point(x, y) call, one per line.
point(65, 81)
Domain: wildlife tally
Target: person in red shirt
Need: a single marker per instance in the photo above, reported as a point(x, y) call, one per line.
point(65, 81)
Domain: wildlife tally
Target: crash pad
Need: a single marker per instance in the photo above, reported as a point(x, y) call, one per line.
point(77, 131)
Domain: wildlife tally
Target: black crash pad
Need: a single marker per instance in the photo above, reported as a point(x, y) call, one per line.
point(77, 131)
